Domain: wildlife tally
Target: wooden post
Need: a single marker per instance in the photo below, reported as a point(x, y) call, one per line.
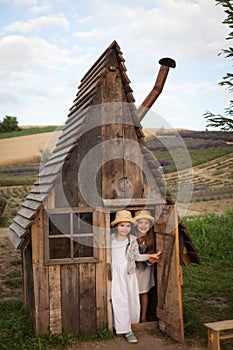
point(169, 309)
point(40, 276)
point(109, 264)
point(101, 273)
point(213, 340)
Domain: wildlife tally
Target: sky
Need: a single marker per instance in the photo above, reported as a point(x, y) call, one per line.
point(46, 47)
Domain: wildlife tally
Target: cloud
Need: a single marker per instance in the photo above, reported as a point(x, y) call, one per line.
point(19, 52)
point(38, 24)
point(179, 28)
point(36, 10)
point(24, 2)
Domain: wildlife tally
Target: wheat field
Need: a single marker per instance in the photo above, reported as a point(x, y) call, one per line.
point(25, 148)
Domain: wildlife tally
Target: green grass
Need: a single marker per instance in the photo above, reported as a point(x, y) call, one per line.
point(207, 290)
point(16, 331)
point(203, 155)
point(197, 156)
point(6, 180)
point(29, 131)
point(14, 197)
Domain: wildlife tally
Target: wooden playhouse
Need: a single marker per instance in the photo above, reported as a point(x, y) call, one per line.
point(100, 165)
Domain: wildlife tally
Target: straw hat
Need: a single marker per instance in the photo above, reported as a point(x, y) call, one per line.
point(121, 216)
point(143, 214)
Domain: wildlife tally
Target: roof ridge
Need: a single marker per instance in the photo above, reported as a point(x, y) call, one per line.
point(101, 57)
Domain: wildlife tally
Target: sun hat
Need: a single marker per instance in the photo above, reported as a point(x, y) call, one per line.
point(121, 216)
point(143, 214)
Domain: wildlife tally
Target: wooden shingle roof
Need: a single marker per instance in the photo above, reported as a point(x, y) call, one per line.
point(73, 129)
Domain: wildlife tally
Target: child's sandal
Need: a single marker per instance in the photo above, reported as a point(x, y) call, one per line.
point(130, 337)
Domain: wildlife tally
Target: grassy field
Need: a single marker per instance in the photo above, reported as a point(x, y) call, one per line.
point(28, 131)
point(207, 289)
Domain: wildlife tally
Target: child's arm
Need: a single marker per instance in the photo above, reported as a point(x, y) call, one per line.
point(135, 255)
point(154, 258)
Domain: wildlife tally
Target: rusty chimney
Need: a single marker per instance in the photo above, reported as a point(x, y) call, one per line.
point(166, 64)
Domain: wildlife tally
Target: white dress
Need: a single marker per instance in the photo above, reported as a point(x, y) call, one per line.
point(124, 291)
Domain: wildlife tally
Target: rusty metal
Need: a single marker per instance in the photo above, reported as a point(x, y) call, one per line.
point(166, 64)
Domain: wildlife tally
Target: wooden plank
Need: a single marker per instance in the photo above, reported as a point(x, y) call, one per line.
point(213, 340)
point(40, 276)
point(34, 197)
point(70, 210)
point(151, 187)
point(27, 213)
point(87, 307)
point(28, 283)
point(31, 204)
point(101, 276)
point(124, 202)
point(109, 279)
point(168, 273)
point(133, 158)
point(70, 298)
point(166, 317)
point(50, 200)
point(55, 299)
point(112, 134)
point(22, 221)
point(17, 229)
point(220, 326)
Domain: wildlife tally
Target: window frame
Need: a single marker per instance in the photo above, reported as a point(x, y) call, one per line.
point(48, 236)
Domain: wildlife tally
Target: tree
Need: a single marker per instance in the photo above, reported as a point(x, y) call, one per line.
point(9, 124)
point(217, 120)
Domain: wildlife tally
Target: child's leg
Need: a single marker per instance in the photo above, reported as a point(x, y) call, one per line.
point(144, 304)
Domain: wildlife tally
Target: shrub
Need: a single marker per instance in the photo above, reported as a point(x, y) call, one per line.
point(9, 124)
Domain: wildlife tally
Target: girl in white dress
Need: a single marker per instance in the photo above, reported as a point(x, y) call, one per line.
point(124, 291)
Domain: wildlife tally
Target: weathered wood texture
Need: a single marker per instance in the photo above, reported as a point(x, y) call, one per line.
point(80, 181)
point(40, 276)
point(55, 299)
point(87, 299)
point(169, 308)
point(70, 298)
point(219, 331)
point(109, 272)
point(101, 273)
point(78, 298)
point(122, 159)
point(28, 281)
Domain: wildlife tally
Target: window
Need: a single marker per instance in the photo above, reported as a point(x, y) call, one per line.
point(70, 235)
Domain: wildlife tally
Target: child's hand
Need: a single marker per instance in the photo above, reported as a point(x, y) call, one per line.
point(154, 258)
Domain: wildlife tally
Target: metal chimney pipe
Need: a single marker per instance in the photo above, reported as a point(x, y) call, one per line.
point(166, 64)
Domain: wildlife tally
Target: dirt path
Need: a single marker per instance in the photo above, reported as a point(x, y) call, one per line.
point(146, 341)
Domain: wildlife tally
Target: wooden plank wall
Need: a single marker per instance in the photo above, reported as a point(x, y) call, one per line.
point(55, 299)
point(40, 276)
point(87, 301)
point(28, 282)
point(101, 273)
point(122, 157)
point(70, 297)
point(112, 133)
point(169, 308)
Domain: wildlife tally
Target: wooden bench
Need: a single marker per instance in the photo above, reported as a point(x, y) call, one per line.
point(215, 335)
